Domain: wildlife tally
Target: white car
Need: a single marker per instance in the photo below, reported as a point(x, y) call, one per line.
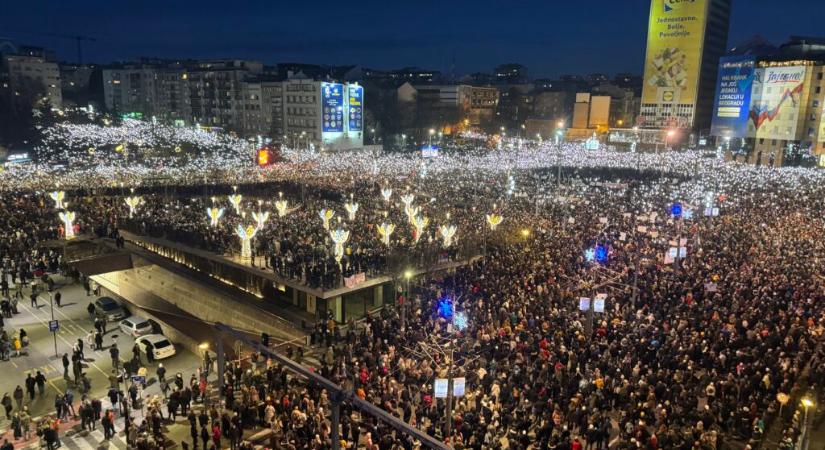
point(135, 326)
point(158, 344)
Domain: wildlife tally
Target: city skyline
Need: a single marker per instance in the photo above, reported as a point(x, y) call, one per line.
point(550, 39)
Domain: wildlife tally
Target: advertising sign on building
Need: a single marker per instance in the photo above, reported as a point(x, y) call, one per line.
point(674, 51)
point(733, 94)
point(775, 102)
point(355, 107)
point(332, 104)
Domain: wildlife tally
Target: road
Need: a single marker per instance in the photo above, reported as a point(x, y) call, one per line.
point(74, 324)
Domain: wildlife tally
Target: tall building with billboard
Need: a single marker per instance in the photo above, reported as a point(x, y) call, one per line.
point(770, 104)
point(324, 114)
point(685, 40)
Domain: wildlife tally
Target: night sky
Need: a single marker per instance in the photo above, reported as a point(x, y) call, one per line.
point(550, 37)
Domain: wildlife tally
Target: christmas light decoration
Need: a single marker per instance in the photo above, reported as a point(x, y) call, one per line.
point(58, 196)
point(326, 215)
point(447, 232)
point(260, 218)
point(214, 215)
point(68, 223)
point(407, 199)
point(351, 208)
point(494, 220)
point(420, 223)
point(235, 200)
point(281, 207)
point(385, 230)
point(386, 193)
point(339, 237)
point(246, 235)
point(133, 202)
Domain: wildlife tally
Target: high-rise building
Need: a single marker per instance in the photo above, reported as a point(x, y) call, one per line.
point(31, 69)
point(325, 114)
point(685, 40)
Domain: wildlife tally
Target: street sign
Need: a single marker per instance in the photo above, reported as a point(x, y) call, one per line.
point(458, 387)
point(440, 388)
point(598, 303)
point(584, 304)
point(54, 326)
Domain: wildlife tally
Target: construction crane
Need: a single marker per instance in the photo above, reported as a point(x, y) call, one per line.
point(79, 39)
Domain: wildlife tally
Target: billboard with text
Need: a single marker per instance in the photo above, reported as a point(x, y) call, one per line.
point(355, 107)
point(775, 102)
point(731, 104)
point(332, 104)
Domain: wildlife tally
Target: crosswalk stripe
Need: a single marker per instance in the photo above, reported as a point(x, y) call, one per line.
point(92, 440)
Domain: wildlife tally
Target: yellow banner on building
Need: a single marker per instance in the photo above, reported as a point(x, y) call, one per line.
point(674, 51)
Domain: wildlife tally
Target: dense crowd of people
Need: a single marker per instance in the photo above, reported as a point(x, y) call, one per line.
point(690, 351)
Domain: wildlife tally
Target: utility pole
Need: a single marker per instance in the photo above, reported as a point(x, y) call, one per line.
point(449, 432)
point(54, 333)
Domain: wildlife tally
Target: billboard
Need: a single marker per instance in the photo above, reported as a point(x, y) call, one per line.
point(332, 104)
point(731, 105)
point(675, 38)
point(355, 107)
point(775, 102)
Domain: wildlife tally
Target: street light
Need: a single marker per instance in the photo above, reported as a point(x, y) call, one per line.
point(670, 134)
point(430, 141)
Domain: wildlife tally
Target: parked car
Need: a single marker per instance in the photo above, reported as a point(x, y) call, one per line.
point(109, 309)
point(135, 326)
point(156, 343)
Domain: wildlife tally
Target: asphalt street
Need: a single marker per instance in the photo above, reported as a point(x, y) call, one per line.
point(74, 324)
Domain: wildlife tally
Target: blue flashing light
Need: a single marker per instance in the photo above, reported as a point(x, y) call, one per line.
point(601, 254)
point(676, 209)
point(445, 308)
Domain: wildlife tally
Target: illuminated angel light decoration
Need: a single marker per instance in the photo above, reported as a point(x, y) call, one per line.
point(339, 237)
point(246, 235)
point(385, 230)
point(281, 207)
point(214, 215)
point(411, 212)
point(351, 208)
point(420, 223)
point(260, 218)
point(68, 224)
point(58, 197)
point(407, 199)
point(133, 203)
point(494, 220)
point(447, 232)
point(326, 215)
point(235, 200)
point(386, 193)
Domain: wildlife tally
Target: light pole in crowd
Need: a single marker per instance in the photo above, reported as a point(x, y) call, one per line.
point(54, 331)
point(668, 135)
point(406, 297)
point(807, 403)
point(457, 321)
point(430, 141)
point(372, 130)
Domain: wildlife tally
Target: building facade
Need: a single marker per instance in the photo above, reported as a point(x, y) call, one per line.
point(771, 107)
point(684, 42)
point(29, 69)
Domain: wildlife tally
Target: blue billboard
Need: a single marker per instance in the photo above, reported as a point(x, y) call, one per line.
point(355, 102)
point(332, 104)
point(733, 95)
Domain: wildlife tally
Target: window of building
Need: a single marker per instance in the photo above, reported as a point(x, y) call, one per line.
point(818, 88)
point(773, 142)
